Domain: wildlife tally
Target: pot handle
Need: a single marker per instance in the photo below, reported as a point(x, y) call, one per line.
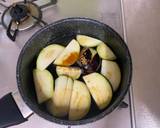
point(10, 113)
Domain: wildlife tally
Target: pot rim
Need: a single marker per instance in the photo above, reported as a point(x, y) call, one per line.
point(83, 121)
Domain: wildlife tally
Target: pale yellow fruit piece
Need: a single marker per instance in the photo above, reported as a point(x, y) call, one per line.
point(99, 88)
point(59, 104)
point(73, 72)
point(70, 54)
point(87, 41)
point(93, 51)
point(111, 71)
point(44, 84)
point(105, 52)
point(47, 55)
point(80, 101)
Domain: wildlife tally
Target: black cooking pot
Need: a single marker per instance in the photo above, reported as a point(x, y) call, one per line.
point(62, 32)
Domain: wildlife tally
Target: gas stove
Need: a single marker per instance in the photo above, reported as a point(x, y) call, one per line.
point(21, 19)
point(22, 15)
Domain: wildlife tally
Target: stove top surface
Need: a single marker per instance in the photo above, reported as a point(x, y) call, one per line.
point(107, 11)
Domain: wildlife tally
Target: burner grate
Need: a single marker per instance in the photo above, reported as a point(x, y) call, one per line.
point(19, 12)
point(22, 16)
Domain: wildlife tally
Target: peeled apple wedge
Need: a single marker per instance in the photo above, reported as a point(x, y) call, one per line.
point(70, 54)
point(87, 41)
point(99, 88)
point(59, 104)
point(112, 72)
point(44, 84)
point(105, 52)
point(48, 55)
point(50, 106)
point(93, 51)
point(72, 72)
point(80, 101)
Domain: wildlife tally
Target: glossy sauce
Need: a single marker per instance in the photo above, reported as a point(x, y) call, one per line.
point(71, 59)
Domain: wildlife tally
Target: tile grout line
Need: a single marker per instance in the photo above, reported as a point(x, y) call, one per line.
point(131, 98)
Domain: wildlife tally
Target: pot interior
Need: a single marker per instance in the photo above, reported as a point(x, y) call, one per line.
point(62, 32)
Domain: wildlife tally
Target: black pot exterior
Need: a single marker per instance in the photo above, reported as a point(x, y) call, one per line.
point(62, 32)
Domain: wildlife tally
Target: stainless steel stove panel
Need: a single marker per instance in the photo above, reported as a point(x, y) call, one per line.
point(107, 11)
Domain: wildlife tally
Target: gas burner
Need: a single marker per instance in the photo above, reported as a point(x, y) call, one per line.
point(19, 13)
point(20, 16)
point(23, 13)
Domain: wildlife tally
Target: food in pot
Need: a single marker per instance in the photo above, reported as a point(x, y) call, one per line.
point(70, 54)
point(95, 63)
point(48, 55)
point(44, 84)
point(73, 72)
point(80, 101)
point(59, 104)
point(99, 88)
point(85, 57)
point(79, 77)
point(105, 52)
point(88, 60)
point(93, 51)
point(86, 41)
point(111, 71)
